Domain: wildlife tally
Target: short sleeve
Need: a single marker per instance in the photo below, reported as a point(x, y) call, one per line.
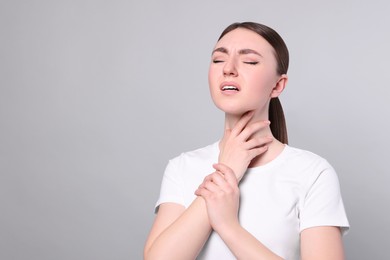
point(171, 186)
point(322, 204)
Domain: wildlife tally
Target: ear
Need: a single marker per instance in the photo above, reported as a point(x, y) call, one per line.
point(279, 86)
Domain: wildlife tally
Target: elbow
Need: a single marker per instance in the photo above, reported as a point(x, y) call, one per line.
point(147, 253)
point(150, 254)
point(153, 255)
point(148, 250)
point(147, 256)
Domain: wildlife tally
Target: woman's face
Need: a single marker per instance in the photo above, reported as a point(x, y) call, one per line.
point(242, 73)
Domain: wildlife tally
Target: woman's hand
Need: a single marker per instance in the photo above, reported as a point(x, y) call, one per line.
point(222, 196)
point(221, 193)
point(239, 145)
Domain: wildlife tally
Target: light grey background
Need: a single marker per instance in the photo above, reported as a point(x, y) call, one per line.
point(96, 96)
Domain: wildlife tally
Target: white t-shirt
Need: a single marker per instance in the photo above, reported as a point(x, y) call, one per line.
point(295, 191)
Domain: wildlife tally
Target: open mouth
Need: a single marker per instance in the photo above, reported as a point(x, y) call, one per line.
point(231, 88)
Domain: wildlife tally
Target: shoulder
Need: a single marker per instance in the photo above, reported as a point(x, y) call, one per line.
point(305, 158)
point(315, 172)
point(191, 167)
point(308, 166)
point(206, 153)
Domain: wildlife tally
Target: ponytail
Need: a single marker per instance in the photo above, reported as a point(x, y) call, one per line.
point(278, 122)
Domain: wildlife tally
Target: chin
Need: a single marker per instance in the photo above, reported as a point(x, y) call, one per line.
point(233, 110)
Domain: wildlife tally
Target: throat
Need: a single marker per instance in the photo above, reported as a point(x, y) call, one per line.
point(274, 150)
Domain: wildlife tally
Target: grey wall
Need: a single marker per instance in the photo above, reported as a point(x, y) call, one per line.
point(96, 96)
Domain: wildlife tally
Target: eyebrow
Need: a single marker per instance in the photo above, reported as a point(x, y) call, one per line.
point(243, 51)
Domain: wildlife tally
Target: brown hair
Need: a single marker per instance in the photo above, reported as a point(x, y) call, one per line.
point(275, 112)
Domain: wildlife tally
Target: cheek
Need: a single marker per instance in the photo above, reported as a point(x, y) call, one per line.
point(210, 81)
point(212, 71)
point(212, 77)
point(263, 83)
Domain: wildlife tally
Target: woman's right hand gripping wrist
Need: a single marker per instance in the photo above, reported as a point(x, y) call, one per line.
point(239, 145)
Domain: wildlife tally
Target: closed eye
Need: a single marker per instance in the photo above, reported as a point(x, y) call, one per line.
point(217, 61)
point(251, 62)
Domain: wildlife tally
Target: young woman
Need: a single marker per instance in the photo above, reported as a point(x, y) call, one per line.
point(249, 195)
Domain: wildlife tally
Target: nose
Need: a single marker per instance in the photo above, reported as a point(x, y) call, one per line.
point(230, 68)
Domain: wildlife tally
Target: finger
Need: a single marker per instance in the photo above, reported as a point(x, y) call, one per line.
point(250, 129)
point(219, 179)
point(210, 185)
point(257, 151)
point(207, 178)
point(240, 125)
point(202, 192)
point(258, 142)
point(210, 177)
point(228, 173)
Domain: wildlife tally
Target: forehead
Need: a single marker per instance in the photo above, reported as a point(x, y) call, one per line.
point(242, 38)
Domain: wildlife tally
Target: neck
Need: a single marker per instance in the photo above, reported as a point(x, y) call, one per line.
point(274, 148)
point(232, 119)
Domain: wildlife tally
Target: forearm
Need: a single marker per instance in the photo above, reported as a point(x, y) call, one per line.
point(244, 245)
point(185, 237)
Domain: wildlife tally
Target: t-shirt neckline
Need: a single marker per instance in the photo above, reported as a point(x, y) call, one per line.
point(280, 157)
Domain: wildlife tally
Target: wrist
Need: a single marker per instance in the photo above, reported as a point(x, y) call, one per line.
point(228, 229)
point(238, 171)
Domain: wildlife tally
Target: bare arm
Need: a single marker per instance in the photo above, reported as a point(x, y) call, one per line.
point(244, 245)
point(322, 243)
point(178, 233)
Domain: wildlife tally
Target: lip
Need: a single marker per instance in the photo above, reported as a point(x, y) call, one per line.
point(230, 83)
